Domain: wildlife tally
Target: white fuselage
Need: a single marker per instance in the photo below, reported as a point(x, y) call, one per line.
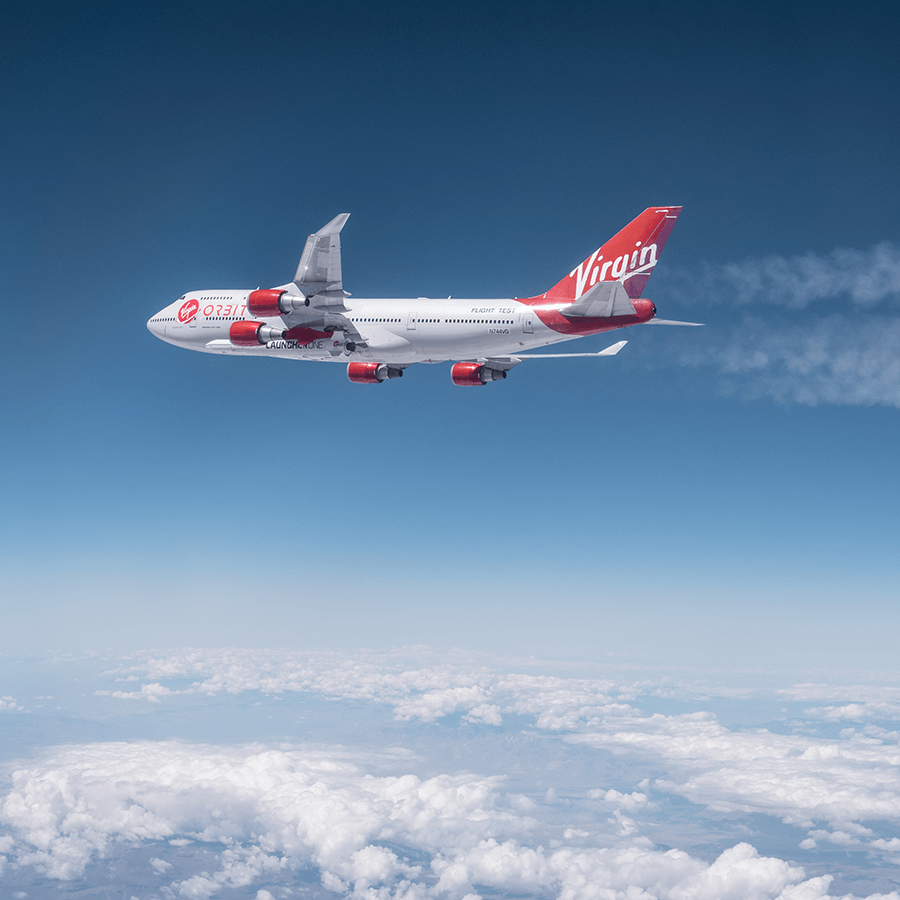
point(395, 331)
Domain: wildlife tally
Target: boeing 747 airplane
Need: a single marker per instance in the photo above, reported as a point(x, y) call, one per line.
point(314, 318)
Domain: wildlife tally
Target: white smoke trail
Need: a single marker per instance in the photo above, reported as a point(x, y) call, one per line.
point(864, 277)
point(842, 350)
point(835, 360)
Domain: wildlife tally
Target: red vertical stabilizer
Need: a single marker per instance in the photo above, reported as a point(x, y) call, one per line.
point(629, 257)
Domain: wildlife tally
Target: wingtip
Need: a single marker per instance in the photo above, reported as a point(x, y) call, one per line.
point(335, 225)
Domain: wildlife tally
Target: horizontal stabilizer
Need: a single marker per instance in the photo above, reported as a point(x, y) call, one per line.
point(604, 299)
point(672, 322)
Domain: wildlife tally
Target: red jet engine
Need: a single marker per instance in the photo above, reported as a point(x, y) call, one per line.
point(266, 304)
point(253, 334)
point(474, 374)
point(372, 373)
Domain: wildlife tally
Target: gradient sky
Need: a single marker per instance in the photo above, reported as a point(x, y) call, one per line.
point(656, 505)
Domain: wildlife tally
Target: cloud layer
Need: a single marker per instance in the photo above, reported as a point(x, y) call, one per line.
point(375, 837)
point(798, 779)
point(587, 810)
point(802, 779)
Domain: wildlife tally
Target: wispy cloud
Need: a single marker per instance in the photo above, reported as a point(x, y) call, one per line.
point(835, 359)
point(864, 278)
point(823, 328)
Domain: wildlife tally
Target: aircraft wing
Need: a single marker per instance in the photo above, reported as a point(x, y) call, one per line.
point(319, 271)
point(505, 363)
point(609, 351)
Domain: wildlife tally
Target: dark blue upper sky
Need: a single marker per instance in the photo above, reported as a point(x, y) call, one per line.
point(153, 496)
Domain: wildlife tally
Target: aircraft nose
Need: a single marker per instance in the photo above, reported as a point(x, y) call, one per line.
point(156, 326)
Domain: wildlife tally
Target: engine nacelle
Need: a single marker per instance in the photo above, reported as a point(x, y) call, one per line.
point(268, 303)
point(253, 334)
point(474, 374)
point(372, 373)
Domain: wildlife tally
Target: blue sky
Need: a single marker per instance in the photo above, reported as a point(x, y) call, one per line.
point(646, 606)
point(581, 508)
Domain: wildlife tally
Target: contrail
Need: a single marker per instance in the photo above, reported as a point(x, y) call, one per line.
point(843, 349)
point(834, 359)
point(862, 277)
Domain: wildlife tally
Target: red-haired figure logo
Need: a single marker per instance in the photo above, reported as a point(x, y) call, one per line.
point(188, 311)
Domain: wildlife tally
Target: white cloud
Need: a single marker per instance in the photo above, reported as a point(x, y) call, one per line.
point(151, 692)
point(856, 712)
point(864, 692)
point(864, 278)
point(834, 359)
point(241, 867)
point(281, 809)
point(815, 334)
point(741, 874)
point(423, 693)
point(829, 787)
point(432, 705)
point(858, 703)
point(632, 872)
point(855, 703)
point(797, 778)
point(626, 801)
point(488, 713)
point(9, 703)
point(300, 805)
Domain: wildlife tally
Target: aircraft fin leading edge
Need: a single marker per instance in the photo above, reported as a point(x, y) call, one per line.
point(319, 271)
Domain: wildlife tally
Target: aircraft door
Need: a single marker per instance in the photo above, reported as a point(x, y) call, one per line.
point(528, 322)
point(411, 322)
